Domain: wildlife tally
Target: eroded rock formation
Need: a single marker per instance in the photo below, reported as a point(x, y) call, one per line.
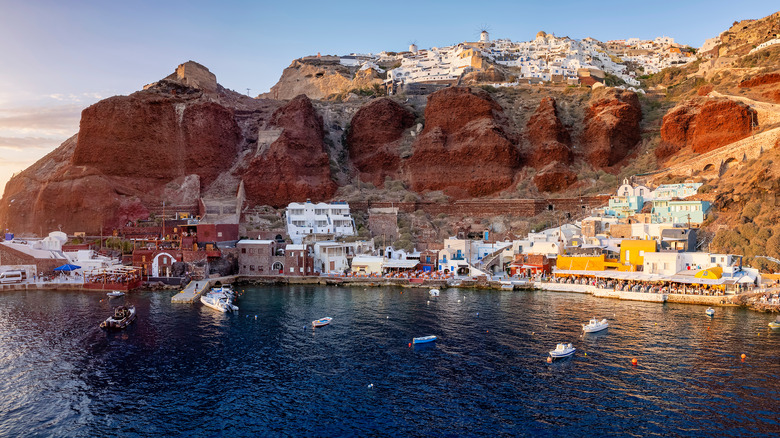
point(549, 140)
point(611, 128)
point(295, 166)
point(374, 137)
point(467, 147)
point(704, 125)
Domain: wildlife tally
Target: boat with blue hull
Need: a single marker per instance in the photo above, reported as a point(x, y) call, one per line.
point(424, 339)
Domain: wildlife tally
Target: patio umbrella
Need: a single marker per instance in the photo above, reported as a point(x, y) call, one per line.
point(67, 268)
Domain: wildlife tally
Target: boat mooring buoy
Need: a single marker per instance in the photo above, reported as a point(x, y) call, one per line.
point(370, 385)
point(586, 354)
point(410, 344)
point(477, 314)
point(549, 360)
point(255, 316)
point(634, 361)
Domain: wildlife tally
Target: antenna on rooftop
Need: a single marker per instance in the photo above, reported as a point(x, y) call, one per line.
point(247, 91)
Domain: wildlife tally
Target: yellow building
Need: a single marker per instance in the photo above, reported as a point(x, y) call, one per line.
point(632, 252)
point(632, 257)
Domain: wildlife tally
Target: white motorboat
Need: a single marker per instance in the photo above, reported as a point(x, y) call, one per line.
point(424, 339)
point(116, 293)
point(562, 350)
point(710, 312)
point(121, 318)
point(218, 303)
point(322, 322)
point(595, 325)
point(434, 292)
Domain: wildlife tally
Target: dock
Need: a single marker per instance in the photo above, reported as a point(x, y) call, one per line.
point(193, 291)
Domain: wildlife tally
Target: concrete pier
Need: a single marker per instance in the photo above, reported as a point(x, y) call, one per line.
point(195, 289)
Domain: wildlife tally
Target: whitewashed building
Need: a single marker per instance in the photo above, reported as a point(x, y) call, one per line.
point(320, 218)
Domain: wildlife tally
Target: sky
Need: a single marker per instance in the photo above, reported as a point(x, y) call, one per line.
point(58, 57)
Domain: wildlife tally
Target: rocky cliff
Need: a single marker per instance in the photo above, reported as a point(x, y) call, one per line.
point(319, 78)
point(611, 126)
point(467, 148)
point(703, 125)
point(296, 165)
point(374, 139)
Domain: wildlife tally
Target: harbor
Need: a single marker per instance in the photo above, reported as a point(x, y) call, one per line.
point(488, 341)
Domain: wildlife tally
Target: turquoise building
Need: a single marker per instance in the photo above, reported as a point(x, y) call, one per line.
point(624, 206)
point(671, 191)
point(680, 212)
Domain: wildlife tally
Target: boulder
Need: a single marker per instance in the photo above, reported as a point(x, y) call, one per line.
point(554, 177)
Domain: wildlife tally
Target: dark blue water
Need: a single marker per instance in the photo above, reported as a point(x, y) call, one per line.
point(185, 370)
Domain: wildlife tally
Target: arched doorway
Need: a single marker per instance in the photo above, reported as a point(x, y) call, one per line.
point(277, 267)
point(161, 264)
point(463, 270)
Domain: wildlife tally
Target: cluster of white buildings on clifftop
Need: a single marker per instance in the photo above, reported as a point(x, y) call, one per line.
point(544, 59)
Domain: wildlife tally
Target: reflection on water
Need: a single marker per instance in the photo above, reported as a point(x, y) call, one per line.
point(185, 369)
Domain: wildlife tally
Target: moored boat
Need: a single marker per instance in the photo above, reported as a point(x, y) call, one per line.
point(562, 350)
point(434, 292)
point(424, 339)
point(775, 324)
point(122, 317)
point(115, 293)
point(218, 303)
point(710, 312)
point(595, 325)
point(322, 322)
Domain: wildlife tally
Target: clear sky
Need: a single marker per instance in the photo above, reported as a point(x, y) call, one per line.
point(58, 57)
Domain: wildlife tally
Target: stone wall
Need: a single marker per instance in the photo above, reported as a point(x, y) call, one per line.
point(492, 207)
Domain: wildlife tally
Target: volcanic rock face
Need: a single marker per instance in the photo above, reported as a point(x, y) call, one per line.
point(319, 78)
point(549, 139)
point(704, 125)
point(611, 126)
point(374, 137)
point(157, 137)
point(296, 165)
point(467, 147)
point(554, 177)
point(765, 79)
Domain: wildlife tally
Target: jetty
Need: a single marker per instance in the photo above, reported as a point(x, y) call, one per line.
point(194, 289)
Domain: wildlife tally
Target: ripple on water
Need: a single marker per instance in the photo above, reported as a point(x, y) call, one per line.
point(186, 370)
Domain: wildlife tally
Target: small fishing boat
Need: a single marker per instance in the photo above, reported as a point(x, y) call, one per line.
point(775, 324)
point(595, 325)
point(322, 322)
point(562, 350)
point(115, 293)
point(122, 317)
point(710, 312)
point(434, 292)
point(424, 339)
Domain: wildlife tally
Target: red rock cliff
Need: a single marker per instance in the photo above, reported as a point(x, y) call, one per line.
point(467, 147)
point(548, 138)
point(704, 125)
point(611, 128)
point(156, 136)
point(295, 166)
point(374, 137)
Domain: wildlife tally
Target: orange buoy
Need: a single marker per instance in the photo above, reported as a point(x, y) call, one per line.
point(410, 344)
point(743, 356)
point(634, 361)
point(549, 360)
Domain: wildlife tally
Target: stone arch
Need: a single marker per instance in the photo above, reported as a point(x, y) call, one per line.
point(709, 168)
point(277, 267)
point(728, 163)
point(156, 263)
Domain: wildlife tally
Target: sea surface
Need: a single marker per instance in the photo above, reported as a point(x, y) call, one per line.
point(186, 370)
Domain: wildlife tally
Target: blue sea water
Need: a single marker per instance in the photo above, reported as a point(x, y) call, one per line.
point(186, 370)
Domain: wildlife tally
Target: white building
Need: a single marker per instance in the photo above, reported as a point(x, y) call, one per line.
point(321, 218)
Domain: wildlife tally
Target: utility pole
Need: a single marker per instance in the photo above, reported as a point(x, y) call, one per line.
point(247, 92)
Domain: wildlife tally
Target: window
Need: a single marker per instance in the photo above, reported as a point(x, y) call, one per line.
point(251, 267)
point(243, 250)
